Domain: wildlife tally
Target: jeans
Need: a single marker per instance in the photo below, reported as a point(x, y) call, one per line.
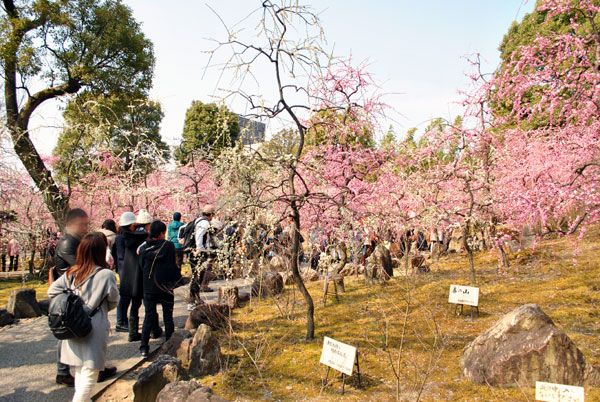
point(122, 307)
point(85, 379)
point(167, 301)
point(61, 368)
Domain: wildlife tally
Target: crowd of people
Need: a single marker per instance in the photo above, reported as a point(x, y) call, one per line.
point(147, 255)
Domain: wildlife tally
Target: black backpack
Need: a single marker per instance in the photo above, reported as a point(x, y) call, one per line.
point(189, 235)
point(67, 318)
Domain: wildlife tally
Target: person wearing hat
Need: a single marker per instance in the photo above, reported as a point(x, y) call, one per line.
point(173, 237)
point(130, 287)
point(160, 276)
point(200, 258)
point(143, 220)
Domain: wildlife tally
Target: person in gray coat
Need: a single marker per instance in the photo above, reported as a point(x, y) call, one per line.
point(92, 280)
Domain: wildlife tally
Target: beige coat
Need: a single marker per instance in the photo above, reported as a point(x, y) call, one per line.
point(110, 236)
point(100, 289)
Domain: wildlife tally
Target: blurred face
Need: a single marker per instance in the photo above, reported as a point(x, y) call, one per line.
point(210, 217)
point(79, 226)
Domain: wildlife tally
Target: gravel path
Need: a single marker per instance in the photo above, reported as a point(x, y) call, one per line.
point(28, 353)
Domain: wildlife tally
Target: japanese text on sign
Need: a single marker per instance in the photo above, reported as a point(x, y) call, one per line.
point(338, 355)
point(548, 392)
point(466, 295)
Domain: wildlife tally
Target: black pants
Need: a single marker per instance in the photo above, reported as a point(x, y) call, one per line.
point(179, 257)
point(167, 302)
point(123, 305)
point(61, 368)
point(14, 263)
point(3, 262)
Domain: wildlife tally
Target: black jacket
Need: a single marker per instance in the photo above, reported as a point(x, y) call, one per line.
point(66, 253)
point(118, 253)
point(129, 278)
point(158, 268)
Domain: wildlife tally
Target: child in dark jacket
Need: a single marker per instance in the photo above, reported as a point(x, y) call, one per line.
point(160, 275)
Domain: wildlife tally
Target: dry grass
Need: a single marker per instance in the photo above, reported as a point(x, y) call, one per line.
point(268, 359)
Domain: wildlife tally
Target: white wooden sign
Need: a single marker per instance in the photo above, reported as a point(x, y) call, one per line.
point(338, 355)
point(466, 295)
point(548, 392)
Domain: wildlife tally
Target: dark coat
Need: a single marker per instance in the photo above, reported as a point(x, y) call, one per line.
point(129, 277)
point(118, 252)
point(158, 268)
point(66, 254)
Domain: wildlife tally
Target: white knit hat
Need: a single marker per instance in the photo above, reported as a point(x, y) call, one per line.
point(143, 217)
point(127, 218)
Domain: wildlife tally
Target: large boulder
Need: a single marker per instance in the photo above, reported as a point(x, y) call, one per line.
point(523, 347)
point(23, 304)
point(267, 284)
point(309, 275)
point(6, 318)
point(205, 353)
point(178, 345)
point(164, 370)
point(187, 391)
point(278, 264)
point(215, 315)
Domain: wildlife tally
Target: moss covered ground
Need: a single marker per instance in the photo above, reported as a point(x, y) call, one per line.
point(413, 354)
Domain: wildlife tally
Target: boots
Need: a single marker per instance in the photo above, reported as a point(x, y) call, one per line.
point(134, 326)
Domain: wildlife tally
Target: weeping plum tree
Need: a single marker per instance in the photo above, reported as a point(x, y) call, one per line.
point(304, 81)
point(50, 49)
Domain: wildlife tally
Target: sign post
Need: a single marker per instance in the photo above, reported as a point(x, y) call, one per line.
point(341, 357)
point(464, 295)
point(548, 392)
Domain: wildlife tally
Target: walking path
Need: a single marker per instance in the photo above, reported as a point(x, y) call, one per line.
point(28, 353)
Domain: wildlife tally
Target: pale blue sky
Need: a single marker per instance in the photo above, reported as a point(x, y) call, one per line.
point(416, 50)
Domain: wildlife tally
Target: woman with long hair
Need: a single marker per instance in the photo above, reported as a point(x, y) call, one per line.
point(92, 280)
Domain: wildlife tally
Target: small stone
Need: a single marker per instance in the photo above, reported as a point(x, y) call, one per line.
point(6, 318)
point(187, 391)
point(177, 346)
point(23, 304)
point(164, 370)
point(267, 284)
point(205, 353)
point(215, 315)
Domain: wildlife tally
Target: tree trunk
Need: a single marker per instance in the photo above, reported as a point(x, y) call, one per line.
point(56, 201)
point(310, 307)
point(469, 253)
point(338, 279)
point(18, 122)
point(407, 244)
